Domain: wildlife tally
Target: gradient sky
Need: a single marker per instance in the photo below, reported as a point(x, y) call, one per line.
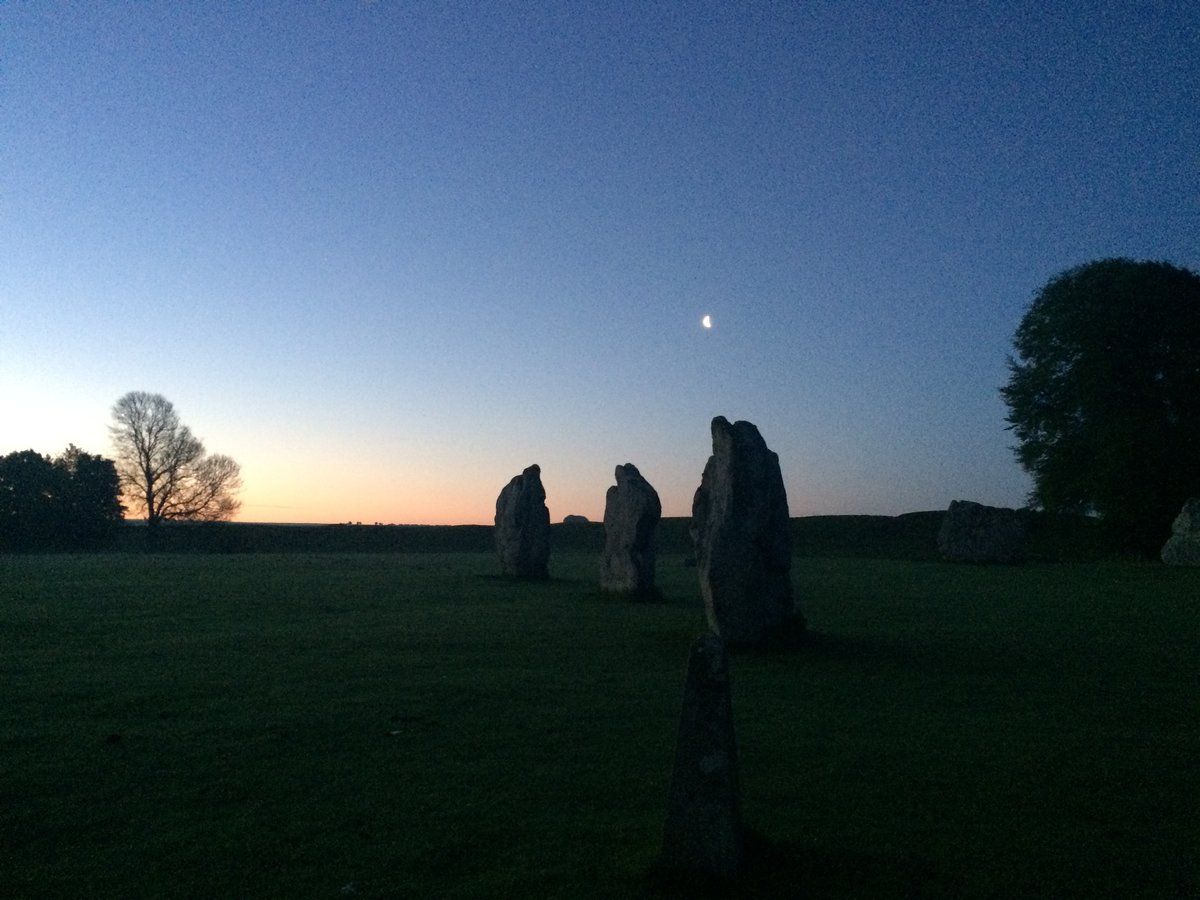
point(387, 255)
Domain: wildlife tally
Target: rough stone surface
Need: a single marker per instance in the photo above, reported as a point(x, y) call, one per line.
point(575, 520)
point(742, 538)
point(523, 526)
point(1183, 546)
point(703, 833)
point(972, 532)
point(631, 514)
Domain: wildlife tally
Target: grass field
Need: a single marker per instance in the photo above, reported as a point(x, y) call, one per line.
point(412, 725)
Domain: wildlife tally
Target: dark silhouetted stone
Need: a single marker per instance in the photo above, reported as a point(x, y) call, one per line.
point(743, 540)
point(575, 520)
point(1183, 546)
point(631, 514)
point(523, 526)
point(972, 532)
point(703, 834)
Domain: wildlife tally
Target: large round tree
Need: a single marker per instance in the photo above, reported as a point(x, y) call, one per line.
point(1104, 394)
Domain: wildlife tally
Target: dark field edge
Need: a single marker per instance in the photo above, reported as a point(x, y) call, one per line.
point(912, 536)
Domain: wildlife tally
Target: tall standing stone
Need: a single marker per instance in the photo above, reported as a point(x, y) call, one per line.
point(523, 526)
point(631, 513)
point(972, 532)
point(742, 536)
point(703, 833)
point(1183, 546)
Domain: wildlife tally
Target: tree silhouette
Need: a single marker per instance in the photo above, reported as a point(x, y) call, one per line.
point(163, 467)
point(92, 498)
point(68, 503)
point(31, 491)
point(1104, 394)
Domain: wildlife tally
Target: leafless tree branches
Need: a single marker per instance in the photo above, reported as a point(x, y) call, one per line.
point(164, 470)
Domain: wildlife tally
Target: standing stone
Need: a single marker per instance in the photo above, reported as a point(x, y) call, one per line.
point(631, 514)
point(1183, 546)
point(523, 526)
point(703, 834)
point(972, 532)
point(742, 537)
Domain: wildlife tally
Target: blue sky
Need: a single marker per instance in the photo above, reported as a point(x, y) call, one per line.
point(387, 255)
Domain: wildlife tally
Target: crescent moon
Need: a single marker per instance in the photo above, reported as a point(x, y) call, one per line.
point(706, 321)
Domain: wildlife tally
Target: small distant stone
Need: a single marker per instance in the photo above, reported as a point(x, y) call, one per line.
point(1183, 546)
point(575, 520)
point(972, 532)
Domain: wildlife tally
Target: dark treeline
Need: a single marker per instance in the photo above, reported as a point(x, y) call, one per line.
point(912, 536)
point(69, 502)
point(242, 537)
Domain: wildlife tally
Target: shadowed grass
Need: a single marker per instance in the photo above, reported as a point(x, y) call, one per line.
point(412, 725)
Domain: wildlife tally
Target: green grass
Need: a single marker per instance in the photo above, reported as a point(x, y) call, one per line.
point(411, 725)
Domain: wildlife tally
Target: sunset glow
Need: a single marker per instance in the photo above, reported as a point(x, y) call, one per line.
point(386, 261)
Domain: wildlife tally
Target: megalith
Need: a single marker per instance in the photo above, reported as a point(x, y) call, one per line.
point(1183, 546)
point(703, 833)
point(523, 526)
point(631, 514)
point(972, 532)
point(742, 538)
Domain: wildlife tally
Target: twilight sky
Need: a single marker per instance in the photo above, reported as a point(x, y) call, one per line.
point(386, 255)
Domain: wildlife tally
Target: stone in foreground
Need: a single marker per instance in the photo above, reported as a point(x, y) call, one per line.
point(1183, 546)
point(523, 526)
point(575, 520)
point(631, 513)
point(972, 532)
point(703, 834)
point(741, 532)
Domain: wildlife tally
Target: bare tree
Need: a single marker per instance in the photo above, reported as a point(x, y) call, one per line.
point(164, 470)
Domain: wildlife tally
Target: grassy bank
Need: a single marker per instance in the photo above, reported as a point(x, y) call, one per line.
point(912, 536)
point(411, 725)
